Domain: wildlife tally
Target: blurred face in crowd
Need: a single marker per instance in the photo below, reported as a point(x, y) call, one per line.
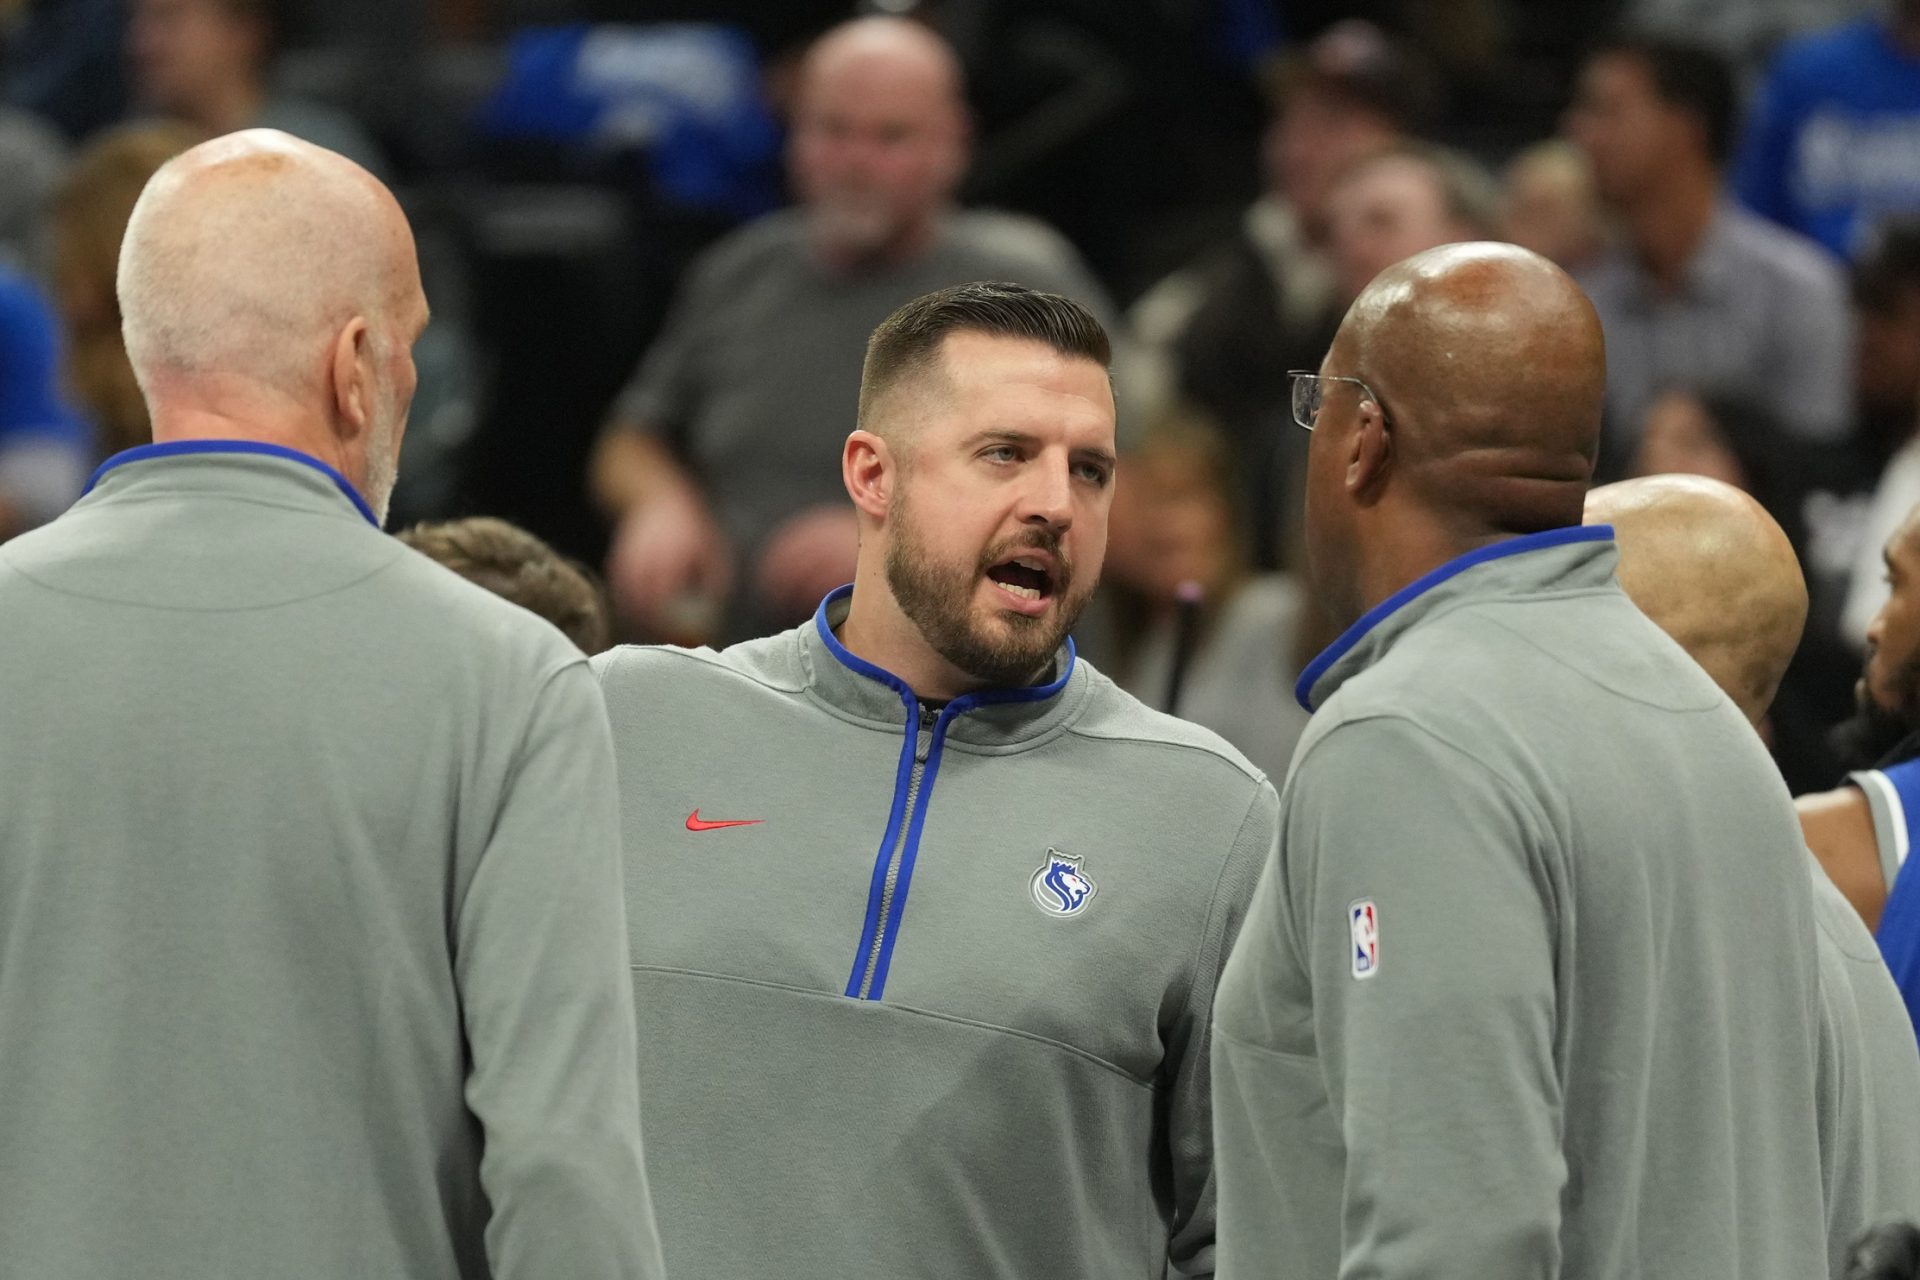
point(1679, 437)
point(997, 525)
point(1887, 354)
point(1176, 523)
point(1548, 206)
point(183, 51)
point(1315, 136)
point(1382, 212)
point(1888, 693)
point(879, 138)
point(1630, 135)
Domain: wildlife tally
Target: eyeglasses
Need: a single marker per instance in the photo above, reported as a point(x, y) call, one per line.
point(1310, 389)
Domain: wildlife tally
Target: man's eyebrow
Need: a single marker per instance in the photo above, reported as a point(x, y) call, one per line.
point(1105, 457)
point(1001, 435)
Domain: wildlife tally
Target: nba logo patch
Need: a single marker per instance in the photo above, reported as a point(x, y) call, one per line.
point(1365, 947)
point(1061, 887)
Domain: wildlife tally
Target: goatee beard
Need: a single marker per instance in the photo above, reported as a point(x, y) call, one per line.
point(938, 599)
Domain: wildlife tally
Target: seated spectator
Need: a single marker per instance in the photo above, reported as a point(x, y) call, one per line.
point(1700, 292)
point(45, 449)
point(719, 462)
point(516, 566)
point(91, 208)
point(1185, 609)
point(206, 62)
point(1390, 205)
point(1832, 143)
point(1222, 331)
point(1548, 205)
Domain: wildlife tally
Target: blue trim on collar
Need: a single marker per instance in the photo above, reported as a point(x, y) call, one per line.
point(965, 702)
point(179, 448)
point(1303, 688)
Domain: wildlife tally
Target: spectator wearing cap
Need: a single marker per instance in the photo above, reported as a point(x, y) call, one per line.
point(1832, 144)
point(1223, 330)
point(1700, 292)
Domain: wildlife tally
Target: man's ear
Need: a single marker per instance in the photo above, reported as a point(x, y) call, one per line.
point(868, 467)
point(352, 372)
point(1369, 454)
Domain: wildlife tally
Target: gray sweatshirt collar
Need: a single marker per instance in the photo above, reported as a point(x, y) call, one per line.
point(223, 466)
point(989, 718)
point(1576, 558)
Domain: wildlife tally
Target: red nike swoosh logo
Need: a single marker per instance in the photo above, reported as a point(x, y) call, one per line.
point(696, 823)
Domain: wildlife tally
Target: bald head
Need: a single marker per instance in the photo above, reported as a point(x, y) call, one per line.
point(879, 141)
point(1490, 364)
point(270, 287)
point(882, 47)
point(1713, 570)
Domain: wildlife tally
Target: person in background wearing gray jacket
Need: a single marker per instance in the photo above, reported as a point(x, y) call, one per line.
point(1713, 570)
point(927, 914)
point(1529, 987)
point(311, 940)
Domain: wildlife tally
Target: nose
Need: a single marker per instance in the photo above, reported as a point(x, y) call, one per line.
point(1876, 629)
point(1048, 496)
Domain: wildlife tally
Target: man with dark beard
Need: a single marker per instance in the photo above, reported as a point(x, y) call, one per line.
point(1861, 832)
point(981, 1050)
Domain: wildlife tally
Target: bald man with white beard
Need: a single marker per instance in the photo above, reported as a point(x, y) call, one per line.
point(312, 948)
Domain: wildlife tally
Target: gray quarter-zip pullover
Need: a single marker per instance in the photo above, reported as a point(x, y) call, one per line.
point(1529, 987)
point(312, 954)
point(924, 993)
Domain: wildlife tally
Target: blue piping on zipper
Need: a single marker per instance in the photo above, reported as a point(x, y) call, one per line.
point(903, 774)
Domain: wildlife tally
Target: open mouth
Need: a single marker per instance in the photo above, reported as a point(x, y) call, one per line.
point(1023, 577)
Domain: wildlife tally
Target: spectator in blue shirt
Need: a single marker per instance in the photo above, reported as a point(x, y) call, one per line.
point(43, 446)
point(1833, 142)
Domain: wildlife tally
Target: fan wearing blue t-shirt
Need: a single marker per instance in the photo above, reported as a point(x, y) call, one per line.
point(1832, 145)
point(44, 447)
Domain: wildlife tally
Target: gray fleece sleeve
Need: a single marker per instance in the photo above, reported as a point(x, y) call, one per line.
point(1438, 1047)
point(546, 990)
point(1190, 1093)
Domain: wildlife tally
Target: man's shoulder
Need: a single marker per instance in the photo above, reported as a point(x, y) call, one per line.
point(1010, 243)
point(1790, 259)
point(770, 667)
point(774, 238)
point(1177, 748)
point(1813, 60)
point(442, 602)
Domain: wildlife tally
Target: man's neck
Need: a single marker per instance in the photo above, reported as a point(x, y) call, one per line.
point(876, 630)
point(1668, 224)
point(172, 424)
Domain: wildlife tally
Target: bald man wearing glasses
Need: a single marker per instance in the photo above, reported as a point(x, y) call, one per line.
point(1528, 985)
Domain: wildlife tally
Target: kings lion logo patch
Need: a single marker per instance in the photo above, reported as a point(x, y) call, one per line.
point(1061, 887)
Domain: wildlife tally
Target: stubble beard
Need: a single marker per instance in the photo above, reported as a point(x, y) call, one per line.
point(938, 599)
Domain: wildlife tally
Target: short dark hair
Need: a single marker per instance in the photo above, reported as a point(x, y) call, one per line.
point(908, 341)
point(516, 566)
point(1888, 268)
point(1689, 78)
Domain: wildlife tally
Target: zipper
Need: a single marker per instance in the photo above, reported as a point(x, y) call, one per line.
point(922, 747)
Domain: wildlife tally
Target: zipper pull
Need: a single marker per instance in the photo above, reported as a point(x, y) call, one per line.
point(928, 719)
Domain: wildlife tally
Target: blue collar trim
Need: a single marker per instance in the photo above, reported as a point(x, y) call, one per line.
point(1303, 689)
point(180, 448)
point(964, 703)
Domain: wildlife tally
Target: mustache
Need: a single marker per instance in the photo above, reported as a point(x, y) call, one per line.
point(1047, 540)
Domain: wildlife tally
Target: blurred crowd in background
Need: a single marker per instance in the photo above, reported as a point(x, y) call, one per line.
point(655, 237)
